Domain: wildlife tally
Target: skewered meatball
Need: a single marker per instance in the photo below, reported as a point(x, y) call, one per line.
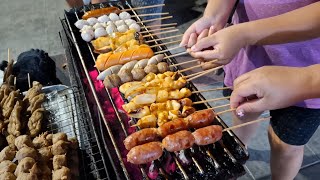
point(114, 17)
point(100, 32)
point(129, 21)
point(124, 15)
point(26, 152)
point(138, 74)
point(59, 136)
point(7, 166)
point(80, 23)
point(63, 173)
point(42, 141)
point(122, 28)
point(162, 67)
point(59, 161)
point(111, 29)
point(86, 28)
point(92, 21)
point(103, 19)
point(60, 147)
point(10, 139)
point(98, 25)
point(7, 176)
point(45, 153)
point(27, 176)
point(135, 26)
point(23, 141)
point(125, 76)
point(24, 165)
point(7, 153)
point(119, 23)
point(151, 68)
point(87, 35)
point(112, 81)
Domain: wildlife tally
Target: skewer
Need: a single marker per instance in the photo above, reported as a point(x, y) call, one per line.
point(8, 54)
point(159, 29)
point(175, 55)
point(197, 73)
point(206, 72)
point(166, 50)
point(222, 112)
point(186, 62)
point(211, 100)
point(162, 25)
point(166, 43)
point(144, 7)
point(170, 37)
point(155, 19)
point(152, 14)
point(159, 33)
point(199, 65)
point(222, 106)
point(214, 89)
point(15, 82)
point(247, 123)
point(29, 81)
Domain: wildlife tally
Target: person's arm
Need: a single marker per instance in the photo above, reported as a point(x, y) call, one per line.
point(275, 87)
point(297, 25)
point(214, 18)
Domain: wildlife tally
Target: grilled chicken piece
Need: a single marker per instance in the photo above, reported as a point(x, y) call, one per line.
point(23, 141)
point(59, 161)
point(26, 152)
point(7, 166)
point(62, 174)
point(45, 153)
point(9, 104)
point(7, 176)
point(60, 147)
point(42, 141)
point(24, 166)
point(34, 123)
point(59, 136)
point(7, 153)
point(14, 125)
point(36, 102)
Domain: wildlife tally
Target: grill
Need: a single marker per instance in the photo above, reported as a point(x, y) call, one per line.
point(110, 126)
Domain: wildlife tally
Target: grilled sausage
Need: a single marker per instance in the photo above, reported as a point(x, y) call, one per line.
point(145, 153)
point(178, 141)
point(163, 67)
point(111, 70)
point(112, 81)
point(107, 60)
point(172, 127)
point(125, 75)
point(100, 12)
point(141, 137)
point(207, 135)
point(201, 118)
point(151, 68)
point(138, 74)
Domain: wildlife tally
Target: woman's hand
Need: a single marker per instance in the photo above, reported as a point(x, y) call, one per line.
point(222, 45)
point(273, 87)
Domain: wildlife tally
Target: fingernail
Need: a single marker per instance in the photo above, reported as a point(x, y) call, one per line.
point(240, 112)
point(182, 45)
point(193, 48)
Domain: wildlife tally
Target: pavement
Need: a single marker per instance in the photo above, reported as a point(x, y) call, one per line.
point(35, 24)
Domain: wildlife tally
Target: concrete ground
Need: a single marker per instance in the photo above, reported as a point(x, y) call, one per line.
point(35, 24)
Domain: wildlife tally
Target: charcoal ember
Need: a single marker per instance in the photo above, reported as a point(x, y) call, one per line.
point(153, 170)
point(183, 157)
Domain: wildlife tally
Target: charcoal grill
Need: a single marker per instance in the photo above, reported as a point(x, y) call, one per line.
point(222, 160)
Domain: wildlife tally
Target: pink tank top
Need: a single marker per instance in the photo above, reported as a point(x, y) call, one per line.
point(298, 54)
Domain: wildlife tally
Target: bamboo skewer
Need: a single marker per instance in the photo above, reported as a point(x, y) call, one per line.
point(155, 19)
point(143, 7)
point(198, 73)
point(151, 14)
point(170, 37)
point(221, 106)
point(166, 50)
point(211, 100)
point(159, 33)
point(206, 72)
point(159, 29)
point(247, 123)
point(8, 54)
point(225, 111)
point(29, 83)
point(166, 43)
point(214, 89)
point(162, 25)
point(186, 62)
point(175, 55)
point(199, 65)
point(15, 82)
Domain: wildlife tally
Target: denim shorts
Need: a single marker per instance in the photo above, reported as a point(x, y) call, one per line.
point(293, 125)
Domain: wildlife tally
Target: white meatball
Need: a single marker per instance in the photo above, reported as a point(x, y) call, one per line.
point(98, 25)
point(119, 23)
point(80, 23)
point(103, 19)
point(110, 23)
point(129, 21)
point(87, 27)
point(122, 28)
point(92, 21)
point(114, 17)
point(111, 29)
point(100, 32)
point(87, 35)
point(135, 26)
point(124, 15)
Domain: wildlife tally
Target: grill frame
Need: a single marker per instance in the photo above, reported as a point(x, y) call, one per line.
point(83, 56)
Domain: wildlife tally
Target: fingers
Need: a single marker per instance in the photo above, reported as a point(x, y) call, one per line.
point(241, 79)
point(186, 36)
point(206, 55)
point(240, 93)
point(192, 40)
point(203, 34)
point(212, 30)
point(252, 106)
point(203, 43)
point(208, 65)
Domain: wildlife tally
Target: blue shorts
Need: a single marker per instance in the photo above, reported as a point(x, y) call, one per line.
point(293, 125)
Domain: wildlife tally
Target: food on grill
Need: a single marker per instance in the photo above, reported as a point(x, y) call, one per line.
point(9, 104)
point(32, 92)
point(107, 60)
point(7, 153)
point(27, 176)
point(111, 70)
point(60, 147)
point(7, 166)
point(87, 35)
point(59, 136)
point(124, 15)
point(178, 141)
point(147, 121)
point(201, 119)
point(135, 27)
point(145, 153)
point(128, 66)
point(162, 67)
point(122, 28)
point(34, 123)
point(92, 21)
point(207, 135)
point(140, 113)
point(151, 68)
point(63, 173)
point(138, 74)
point(11, 139)
point(103, 19)
point(172, 127)
point(125, 75)
point(24, 165)
point(59, 161)
point(141, 137)
point(99, 32)
point(114, 17)
point(7, 176)
point(100, 12)
point(45, 153)
point(14, 125)
point(26, 152)
point(112, 81)
point(23, 141)
point(41, 141)
point(36, 102)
